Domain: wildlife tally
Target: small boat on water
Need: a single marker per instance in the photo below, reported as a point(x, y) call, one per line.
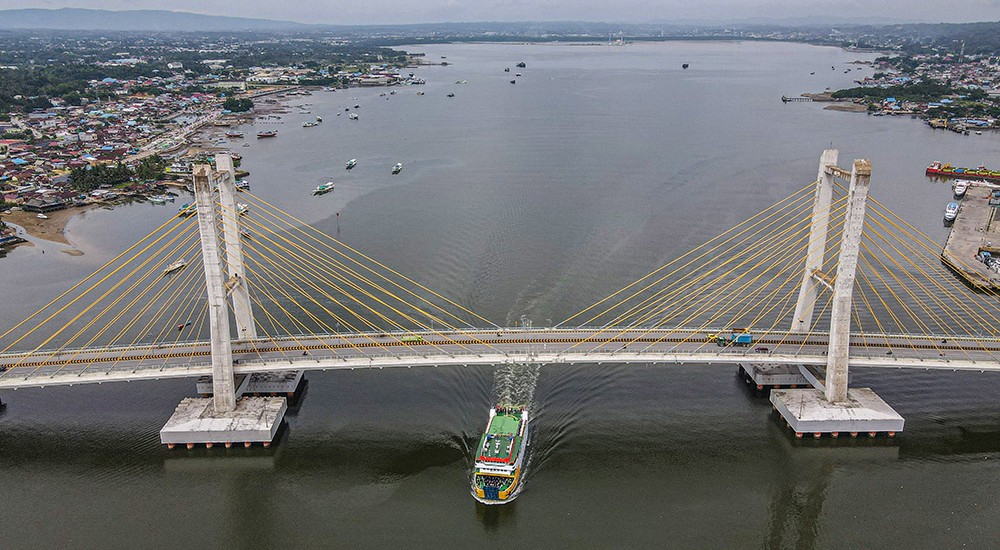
point(397, 168)
point(176, 266)
point(684, 65)
point(187, 210)
point(351, 164)
point(513, 82)
point(41, 216)
point(451, 94)
point(500, 455)
point(353, 116)
point(319, 118)
point(267, 134)
point(323, 189)
point(521, 65)
point(157, 200)
point(310, 124)
point(951, 212)
point(242, 208)
point(242, 185)
point(234, 134)
point(960, 187)
point(420, 93)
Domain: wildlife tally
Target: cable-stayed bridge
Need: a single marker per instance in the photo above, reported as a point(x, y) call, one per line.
point(823, 280)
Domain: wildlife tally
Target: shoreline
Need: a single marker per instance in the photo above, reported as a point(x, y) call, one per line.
point(52, 229)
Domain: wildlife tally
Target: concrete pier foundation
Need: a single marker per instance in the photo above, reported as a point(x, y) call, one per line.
point(259, 383)
point(808, 412)
point(764, 377)
point(196, 421)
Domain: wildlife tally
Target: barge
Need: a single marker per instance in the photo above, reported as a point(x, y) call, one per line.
point(946, 170)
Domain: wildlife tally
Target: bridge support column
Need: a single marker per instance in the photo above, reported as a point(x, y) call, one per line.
point(237, 283)
point(223, 387)
point(816, 253)
point(837, 409)
point(843, 290)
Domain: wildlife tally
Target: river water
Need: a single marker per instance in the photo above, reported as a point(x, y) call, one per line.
point(529, 200)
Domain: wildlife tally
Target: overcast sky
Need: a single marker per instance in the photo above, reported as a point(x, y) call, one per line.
point(429, 11)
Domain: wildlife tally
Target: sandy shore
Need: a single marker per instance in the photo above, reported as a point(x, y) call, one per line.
point(846, 107)
point(53, 229)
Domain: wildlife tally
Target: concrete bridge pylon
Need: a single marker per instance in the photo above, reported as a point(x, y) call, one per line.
point(832, 407)
point(223, 418)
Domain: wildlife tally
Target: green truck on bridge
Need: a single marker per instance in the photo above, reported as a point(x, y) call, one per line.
point(738, 337)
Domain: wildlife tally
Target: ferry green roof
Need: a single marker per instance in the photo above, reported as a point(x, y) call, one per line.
point(504, 424)
point(502, 431)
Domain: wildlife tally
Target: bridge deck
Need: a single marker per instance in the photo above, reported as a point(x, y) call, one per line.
point(352, 351)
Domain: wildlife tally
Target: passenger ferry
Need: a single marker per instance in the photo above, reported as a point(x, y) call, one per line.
point(948, 171)
point(397, 168)
point(351, 164)
point(500, 455)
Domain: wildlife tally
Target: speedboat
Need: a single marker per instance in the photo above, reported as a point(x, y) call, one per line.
point(324, 189)
point(351, 164)
point(951, 212)
point(353, 116)
point(397, 168)
point(451, 94)
point(176, 266)
point(961, 186)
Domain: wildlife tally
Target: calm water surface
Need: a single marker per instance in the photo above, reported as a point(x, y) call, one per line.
point(533, 199)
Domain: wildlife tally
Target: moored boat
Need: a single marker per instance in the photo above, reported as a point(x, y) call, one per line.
point(500, 455)
point(960, 187)
point(323, 189)
point(310, 124)
point(397, 168)
point(951, 212)
point(267, 134)
point(234, 134)
point(946, 170)
point(351, 164)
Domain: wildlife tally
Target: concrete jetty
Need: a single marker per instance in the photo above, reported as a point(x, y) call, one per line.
point(975, 229)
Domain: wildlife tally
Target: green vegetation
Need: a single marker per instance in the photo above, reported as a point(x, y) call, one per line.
point(921, 92)
point(237, 105)
point(87, 179)
point(150, 168)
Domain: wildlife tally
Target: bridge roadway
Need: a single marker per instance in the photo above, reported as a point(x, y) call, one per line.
point(486, 347)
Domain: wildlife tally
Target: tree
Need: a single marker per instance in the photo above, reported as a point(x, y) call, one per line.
point(150, 168)
point(237, 105)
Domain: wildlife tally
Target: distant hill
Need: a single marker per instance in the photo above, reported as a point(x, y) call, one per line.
point(74, 19)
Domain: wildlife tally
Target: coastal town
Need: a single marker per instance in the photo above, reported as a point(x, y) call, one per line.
point(950, 91)
point(136, 138)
